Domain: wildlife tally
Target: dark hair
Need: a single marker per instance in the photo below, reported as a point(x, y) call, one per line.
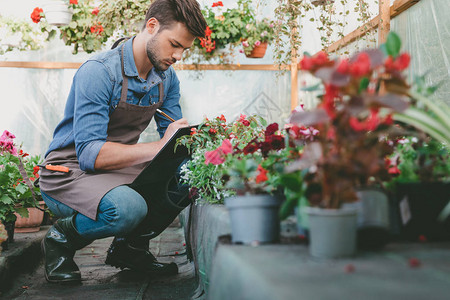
point(187, 12)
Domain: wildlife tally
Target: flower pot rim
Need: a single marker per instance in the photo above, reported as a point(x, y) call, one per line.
point(330, 211)
point(252, 200)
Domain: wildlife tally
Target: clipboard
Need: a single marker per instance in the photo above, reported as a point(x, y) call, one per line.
point(165, 163)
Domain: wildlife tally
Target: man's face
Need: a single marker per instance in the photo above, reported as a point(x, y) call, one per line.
point(168, 45)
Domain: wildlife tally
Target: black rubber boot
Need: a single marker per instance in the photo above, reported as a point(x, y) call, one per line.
point(59, 246)
point(135, 255)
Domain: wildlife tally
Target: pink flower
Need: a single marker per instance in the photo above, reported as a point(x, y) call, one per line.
point(245, 44)
point(241, 51)
point(217, 157)
point(226, 147)
point(214, 157)
point(257, 43)
point(7, 136)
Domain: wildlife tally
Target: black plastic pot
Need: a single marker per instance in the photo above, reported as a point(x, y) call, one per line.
point(416, 210)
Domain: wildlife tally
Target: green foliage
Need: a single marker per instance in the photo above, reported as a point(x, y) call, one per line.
point(19, 35)
point(15, 195)
point(418, 160)
point(393, 45)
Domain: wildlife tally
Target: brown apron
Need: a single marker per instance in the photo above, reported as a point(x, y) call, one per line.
point(83, 191)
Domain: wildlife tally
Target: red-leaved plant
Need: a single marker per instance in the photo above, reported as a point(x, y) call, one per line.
point(354, 119)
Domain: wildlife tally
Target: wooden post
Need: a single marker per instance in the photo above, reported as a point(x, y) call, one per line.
point(385, 20)
point(294, 74)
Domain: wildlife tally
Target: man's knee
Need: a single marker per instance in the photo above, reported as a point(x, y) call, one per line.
point(124, 209)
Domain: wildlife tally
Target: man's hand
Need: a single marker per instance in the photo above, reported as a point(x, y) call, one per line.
point(173, 127)
point(117, 156)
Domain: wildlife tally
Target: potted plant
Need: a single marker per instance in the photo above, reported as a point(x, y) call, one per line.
point(238, 163)
point(355, 123)
point(227, 28)
point(256, 38)
point(19, 35)
point(84, 30)
point(252, 172)
point(17, 193)
point(420, 164)
point(58, 12)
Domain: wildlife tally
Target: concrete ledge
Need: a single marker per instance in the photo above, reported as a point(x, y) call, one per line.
point(23, 255)
point(207, 222)
point(286, 272)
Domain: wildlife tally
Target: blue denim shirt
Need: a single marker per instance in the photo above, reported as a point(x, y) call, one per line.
point(94, 94)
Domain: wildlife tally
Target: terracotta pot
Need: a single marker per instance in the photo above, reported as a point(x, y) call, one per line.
point(258, 51)
point(33, 222)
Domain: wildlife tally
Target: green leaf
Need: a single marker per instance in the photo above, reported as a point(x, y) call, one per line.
point(311, 88)
point(4, 199)
point(22, 211)
point(363, 84)
point(393, 44)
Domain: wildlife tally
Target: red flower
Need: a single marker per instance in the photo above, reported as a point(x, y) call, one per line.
point(212, 131)
point(219, 3)
point(95, 11)
point(414, 262)
point(262, 174)
point(208, 31)
point(271, 129)
point(36, 15)
point(74, 2)
point(98, 29)
point(318, 60)
point(422, 238)
point(222, 118)
point(343, 66)
point(306, 63)
point(208, 44)
point(23, 154)
point(251, 147)
point(276, 142)
point(35, 171)
point(349, 268)
point(193, 131)
point(394, 170)
point(361, 66)
point(331, 92)
point(399, 64)
point(370, 124)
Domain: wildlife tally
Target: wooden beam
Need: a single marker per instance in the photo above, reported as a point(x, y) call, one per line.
point(384, 24)
point(354, 35)
point(397, 8)
point(400, 6)
point(294, 75)
point(76, 65)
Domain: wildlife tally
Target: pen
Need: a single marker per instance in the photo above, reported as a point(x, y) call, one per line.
point(164, 114)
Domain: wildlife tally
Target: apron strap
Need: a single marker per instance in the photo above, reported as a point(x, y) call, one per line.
point(123, 95)
point(161, 92)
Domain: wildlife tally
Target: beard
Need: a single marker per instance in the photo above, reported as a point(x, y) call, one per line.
point(154, 55)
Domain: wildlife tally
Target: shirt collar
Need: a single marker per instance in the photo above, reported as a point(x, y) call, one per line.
point(130, 66)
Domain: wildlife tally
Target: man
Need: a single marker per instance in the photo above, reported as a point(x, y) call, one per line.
point(113, 98)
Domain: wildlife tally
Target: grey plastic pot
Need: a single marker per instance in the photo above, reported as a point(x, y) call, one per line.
point(332, 232)
point(254, 218)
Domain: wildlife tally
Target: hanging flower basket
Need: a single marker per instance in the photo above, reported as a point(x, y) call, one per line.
point(57, 12)
point(258, 51)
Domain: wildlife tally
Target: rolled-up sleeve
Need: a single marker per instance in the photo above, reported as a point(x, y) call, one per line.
point(92, 92)
point(171, 104)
